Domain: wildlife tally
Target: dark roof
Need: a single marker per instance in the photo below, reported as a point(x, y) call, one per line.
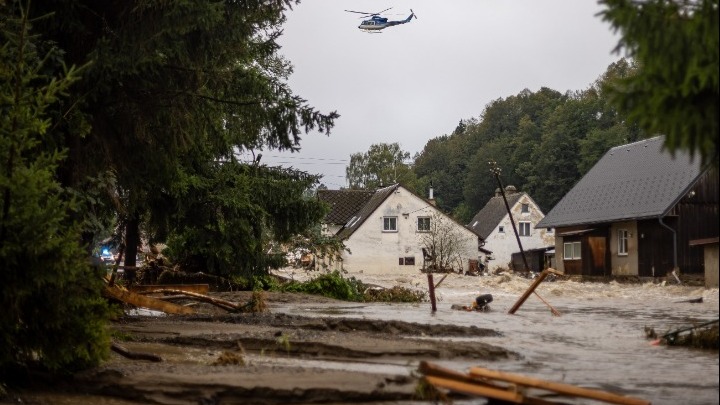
point(491, 214)
point(633, 181)
point(343, 203)
point(370, 206)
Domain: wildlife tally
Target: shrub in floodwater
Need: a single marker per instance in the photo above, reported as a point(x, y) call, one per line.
point(394, 294)
point(332, 285)
point(257, 302)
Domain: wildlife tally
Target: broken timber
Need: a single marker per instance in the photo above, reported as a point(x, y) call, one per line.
point(138, 300)
point(531, 290)
point(513, 388)
point(224, 304)
point(193, 288)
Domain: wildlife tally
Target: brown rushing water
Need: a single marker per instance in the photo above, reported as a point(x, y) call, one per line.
point(597, 342)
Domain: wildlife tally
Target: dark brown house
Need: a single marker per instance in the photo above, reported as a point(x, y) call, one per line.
point(635, 212)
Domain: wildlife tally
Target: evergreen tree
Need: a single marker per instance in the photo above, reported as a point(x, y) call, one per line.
point(675, 88)
point(172, 87)
point(52, 311)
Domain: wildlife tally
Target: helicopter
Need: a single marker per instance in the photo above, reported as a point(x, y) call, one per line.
point(376, 23)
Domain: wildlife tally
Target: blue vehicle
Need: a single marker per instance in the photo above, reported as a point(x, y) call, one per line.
point(374, 22)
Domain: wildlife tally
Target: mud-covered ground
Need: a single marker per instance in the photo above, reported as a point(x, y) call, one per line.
point(268, 358)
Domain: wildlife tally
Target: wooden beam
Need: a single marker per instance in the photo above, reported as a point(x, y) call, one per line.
point(486, 391)
point(560, 388)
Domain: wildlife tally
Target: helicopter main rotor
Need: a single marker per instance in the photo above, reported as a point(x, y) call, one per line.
point(366, 14)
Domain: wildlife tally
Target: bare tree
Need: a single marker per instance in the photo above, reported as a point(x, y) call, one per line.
point(443, 242)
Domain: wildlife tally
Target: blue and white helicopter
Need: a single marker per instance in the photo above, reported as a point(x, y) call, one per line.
point(376, 23)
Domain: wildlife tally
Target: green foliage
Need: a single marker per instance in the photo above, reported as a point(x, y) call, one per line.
point(326, 250)
point(52, 311)
point(226, 217)
point(544, 142)
point(174, 88)
point(335, 285)
point(674, 90)
point(332, 285)
point(382, 165)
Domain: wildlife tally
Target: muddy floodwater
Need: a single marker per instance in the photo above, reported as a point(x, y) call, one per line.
point(316, 350)
point(598, 341)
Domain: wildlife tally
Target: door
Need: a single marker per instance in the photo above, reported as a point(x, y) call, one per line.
point(598, 252)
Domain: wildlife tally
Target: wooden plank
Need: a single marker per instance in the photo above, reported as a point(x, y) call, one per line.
point(487, 391)
point(193, 288)
point(145, 302)
point(560, 388)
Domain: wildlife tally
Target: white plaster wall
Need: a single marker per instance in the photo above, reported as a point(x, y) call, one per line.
point(504, 244)
point(373, 251)
point(624, 265)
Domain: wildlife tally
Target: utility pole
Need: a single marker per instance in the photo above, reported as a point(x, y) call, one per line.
point(496, 170)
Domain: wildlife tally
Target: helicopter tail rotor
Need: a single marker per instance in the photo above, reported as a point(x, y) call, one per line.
point(413, 13)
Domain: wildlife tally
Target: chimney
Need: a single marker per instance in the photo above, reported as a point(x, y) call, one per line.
point(510, 190)
point(497, 192)
point(431, 195)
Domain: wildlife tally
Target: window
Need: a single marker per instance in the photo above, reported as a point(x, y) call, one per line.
point(525, 208)
point(389, 224)
point(407, 261)
point(571, 250)
point(501, 229)
point(524, 228)
point(622, 242)
point(550, 230)
point(423, 224)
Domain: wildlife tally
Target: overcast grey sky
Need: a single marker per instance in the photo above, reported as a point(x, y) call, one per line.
point(415, 82)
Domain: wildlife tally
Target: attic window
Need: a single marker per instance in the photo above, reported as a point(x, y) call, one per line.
point(525, 208)
point(389, 224)
point(501, 229)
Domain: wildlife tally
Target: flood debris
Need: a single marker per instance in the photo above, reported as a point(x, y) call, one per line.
point(121, 294)
point(194, 288)
point(531, 290)
point(480, 304)
point(691, 301)
point(701, 336)
point(513, 388)
point(123, 351)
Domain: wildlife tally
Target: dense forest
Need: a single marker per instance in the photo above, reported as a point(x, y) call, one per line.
point(543, 141)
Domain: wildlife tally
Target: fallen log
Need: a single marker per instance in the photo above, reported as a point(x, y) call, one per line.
point(139, 300)
point(224, 304)
point(194, 288)
point(121, 350)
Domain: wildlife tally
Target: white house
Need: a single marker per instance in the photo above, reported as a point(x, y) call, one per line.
point(493, 224)
point(388, 231)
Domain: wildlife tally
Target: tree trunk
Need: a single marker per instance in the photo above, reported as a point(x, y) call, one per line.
point(132, 240)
